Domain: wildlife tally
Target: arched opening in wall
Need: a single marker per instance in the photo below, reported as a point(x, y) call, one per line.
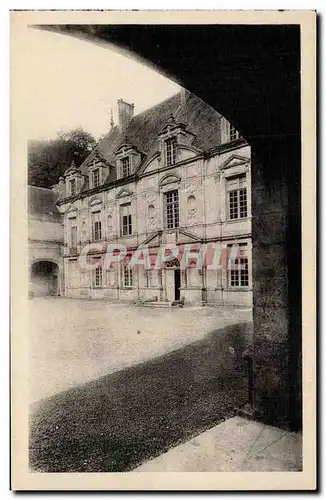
point(44, 279)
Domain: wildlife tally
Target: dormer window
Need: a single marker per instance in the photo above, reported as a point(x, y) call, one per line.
point(128, 159)
point(125, 166)
point(233, 133)
point(72, 187)
point(96, 177)
point(170, 150)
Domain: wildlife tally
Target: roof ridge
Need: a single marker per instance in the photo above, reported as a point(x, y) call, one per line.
point(156, 105)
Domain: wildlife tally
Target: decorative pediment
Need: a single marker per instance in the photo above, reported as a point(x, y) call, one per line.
point(235, 161)
point(124, 192)
point(72, 210)
point(154, 239)
point(71, 170)
point(169, 179)
point(95, 201)
point(171, 125)
point(187, 237)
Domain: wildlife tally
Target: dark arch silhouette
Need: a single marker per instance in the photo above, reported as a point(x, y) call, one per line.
point(250, 74)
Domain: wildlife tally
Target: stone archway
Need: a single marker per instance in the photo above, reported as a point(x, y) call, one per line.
point(44, 278)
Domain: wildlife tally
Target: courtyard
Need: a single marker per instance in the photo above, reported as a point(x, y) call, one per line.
point(75, 341)
point(115, 385)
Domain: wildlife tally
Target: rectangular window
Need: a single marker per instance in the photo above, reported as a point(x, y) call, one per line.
point(170, 151)
point(125, 167)
point(96, 177)
point(239, 273)
point(97, 226)
point(73, 274)
point(72, 187)
point(233, 133)
point(151, 275)
point(97, 277)
point(73, 234)
point(237, 196)
point(126, 219)
point(126, 277)
point(111, 277)
point(172, 209)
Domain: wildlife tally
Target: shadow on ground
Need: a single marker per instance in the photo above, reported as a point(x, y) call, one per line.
point(118, 421)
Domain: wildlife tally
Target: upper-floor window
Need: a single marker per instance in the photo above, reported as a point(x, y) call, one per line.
point(125, 167)
point(170, 151)
point(233, 133)
point(126, 219)
point(73, 187)
point(73, 234)
point(97, 226)
point(172, 209)
point(238, 275)
point(96, 177)
point(237, 197)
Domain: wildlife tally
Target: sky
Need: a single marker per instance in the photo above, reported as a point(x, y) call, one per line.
point(72, 83)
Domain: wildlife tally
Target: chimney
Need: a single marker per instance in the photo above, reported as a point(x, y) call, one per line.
point(126, 113)
point(183, 95)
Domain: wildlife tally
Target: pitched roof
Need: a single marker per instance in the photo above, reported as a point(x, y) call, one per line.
point(42, 202)
point(142, 131)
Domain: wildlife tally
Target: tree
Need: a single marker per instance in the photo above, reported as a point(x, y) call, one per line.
point(48, 160)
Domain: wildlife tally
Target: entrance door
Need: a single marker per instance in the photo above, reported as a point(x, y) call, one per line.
point(172, 280)
point(177, 284)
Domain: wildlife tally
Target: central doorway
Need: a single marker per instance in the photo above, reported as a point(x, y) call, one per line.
point(172, 280)
point(177, 284)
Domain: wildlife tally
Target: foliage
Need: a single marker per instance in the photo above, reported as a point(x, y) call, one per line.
point(48, 160)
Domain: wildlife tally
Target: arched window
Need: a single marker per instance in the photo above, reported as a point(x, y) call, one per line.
point(172, 264)
point(110, 224)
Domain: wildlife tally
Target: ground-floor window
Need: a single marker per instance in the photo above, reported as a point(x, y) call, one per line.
point(111, 277)
point(151, 278)
point(97, 277)
point(192, 274)
point(127, 277)
point(73, 276)
point(238, 272)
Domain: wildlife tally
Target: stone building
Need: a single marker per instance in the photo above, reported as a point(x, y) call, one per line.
point(45, 241)
point(177, 174)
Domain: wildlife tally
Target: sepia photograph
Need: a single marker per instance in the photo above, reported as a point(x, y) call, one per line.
point(162, 194)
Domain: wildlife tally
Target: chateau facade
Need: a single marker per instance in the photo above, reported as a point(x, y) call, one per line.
point(177, 174)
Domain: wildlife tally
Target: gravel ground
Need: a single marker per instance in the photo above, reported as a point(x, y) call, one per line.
point(73, 341)
point(125, 418)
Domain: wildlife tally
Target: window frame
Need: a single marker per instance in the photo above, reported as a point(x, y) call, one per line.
point(73, 235)
point(171, 210)
point(127, 272)
point(97, 278)
point(96, 177)
point(237, 198)
point(123, 160)
point(237, 278)
point(73, 187)
point(233, 134)
point(170, 148)
point(96, 227)
point(126, 220)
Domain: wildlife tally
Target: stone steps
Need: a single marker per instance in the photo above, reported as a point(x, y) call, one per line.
point(154, 304)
